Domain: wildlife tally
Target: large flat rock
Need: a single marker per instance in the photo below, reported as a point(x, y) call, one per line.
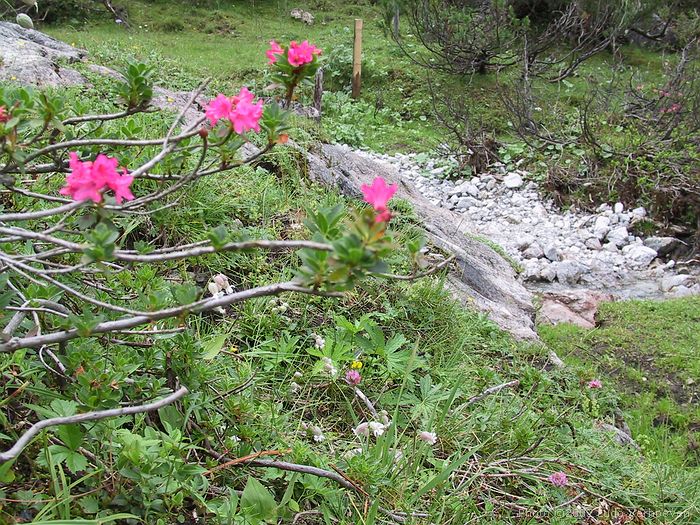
point(482, 278)
point(31, 57)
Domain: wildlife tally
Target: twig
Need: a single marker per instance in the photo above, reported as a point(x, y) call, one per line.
point(367, 402)
point(196, 307)
point(247, 458)
point(492, 390)
point(419, 275)
point(24, 440)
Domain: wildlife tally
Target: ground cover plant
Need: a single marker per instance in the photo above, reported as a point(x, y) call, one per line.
point(390, 403)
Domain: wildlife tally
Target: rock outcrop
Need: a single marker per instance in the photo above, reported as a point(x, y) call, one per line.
point(481, 277)
point(31, 57)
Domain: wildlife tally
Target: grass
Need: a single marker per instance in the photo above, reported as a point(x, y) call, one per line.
point(424, 356)
point(394, 93)
point(649, 351)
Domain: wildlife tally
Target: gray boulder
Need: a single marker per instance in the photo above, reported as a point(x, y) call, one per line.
point(31, 57)
point(480, 277)
point(662, 245)
point(513, 180)
point(641, 255)
point(568, 272)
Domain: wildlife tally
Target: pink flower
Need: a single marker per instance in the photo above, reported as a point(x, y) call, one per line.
point(239, 109)
point(595, 383)
point(218, 108)
point(244, 95)
point(87, 180)
point(361, 430)
point(4, 115)
point(246, 115)
point(353, 377)
point(274, 50)
point(558, 479)
point(300, 54)
point(378, 195)
point(428, 437)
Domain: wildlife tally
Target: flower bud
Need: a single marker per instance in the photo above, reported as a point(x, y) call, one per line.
point(203, 132)
point(24, 21)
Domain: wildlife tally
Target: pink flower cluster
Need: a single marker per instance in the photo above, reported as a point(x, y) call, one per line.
point(353, 377)
point(4, 115)
point(378, 195)
point(275, 49)
point(674, 108)
point(558, 479)
point(87, 180)
point(239, 109)
point(297, 54)
point(595, 383)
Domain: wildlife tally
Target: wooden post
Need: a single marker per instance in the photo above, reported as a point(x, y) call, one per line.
point(318, 92)
point(357, 59)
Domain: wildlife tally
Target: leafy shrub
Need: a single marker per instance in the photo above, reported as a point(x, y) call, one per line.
point(170, 25)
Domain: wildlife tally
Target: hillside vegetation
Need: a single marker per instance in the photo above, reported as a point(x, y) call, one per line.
point(452, 421)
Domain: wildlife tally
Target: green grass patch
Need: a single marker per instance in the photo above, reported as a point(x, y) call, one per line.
point(648, 350)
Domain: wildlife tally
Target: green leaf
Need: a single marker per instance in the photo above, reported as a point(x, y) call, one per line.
point(71, 435)
point(7, 475)
point(257, 503)
point(63, 407)
point(218, 237)
point(76, 462)
point(212, 347)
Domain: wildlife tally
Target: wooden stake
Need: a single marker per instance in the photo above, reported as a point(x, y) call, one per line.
point(357, 59)
point(318, 92)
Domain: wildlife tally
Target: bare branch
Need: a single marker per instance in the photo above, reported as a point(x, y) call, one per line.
point(87, 416)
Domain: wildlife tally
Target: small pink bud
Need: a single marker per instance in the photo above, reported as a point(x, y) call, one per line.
point(353, 377)
point(595, 383)
point(558, 479)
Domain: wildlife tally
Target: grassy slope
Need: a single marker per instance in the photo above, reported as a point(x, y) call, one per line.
point(649, 350)
point(228, 44)
point(460, 353)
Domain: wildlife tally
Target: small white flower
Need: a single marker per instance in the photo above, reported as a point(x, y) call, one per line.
point(361, 430)
point(376, 428)
point(317, 434)
point(298, 375)
point(213, 289)
point(428, 437)
point(384, 417)
point(294, 387)
point(352, 453)
point(319, 342)
point(222, 282)
point(329, 367)
point(235, 439)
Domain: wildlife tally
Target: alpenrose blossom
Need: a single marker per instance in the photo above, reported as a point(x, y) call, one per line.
point(353, 377)
point(246, 115)
point(428, 437)
point(275, 49)
point(300, 54)
point(378, 195)
point(239, 110)
point(595, 383)
point(87, 180)
point(558, 479)
point(218, 108)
